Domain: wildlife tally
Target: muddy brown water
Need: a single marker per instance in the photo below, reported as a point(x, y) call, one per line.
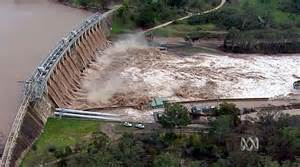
point(29, 29)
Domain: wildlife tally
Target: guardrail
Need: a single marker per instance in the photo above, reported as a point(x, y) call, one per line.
point(38, 81)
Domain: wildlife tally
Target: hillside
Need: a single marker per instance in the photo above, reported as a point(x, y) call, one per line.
point(265, 26)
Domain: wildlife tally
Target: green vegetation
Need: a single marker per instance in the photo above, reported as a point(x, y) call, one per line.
point(58, 135)
point(279, 143)
point(250, 15)
point(266, 26)
point(231, 110)
point(175, 115)
point(182, 29)
point(148, 13)
point(166, 160)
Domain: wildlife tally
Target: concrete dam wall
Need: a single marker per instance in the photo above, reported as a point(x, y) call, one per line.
point(53, 83)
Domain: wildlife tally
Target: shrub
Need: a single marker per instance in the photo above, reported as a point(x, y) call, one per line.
point(51, 148)
point(175, 115)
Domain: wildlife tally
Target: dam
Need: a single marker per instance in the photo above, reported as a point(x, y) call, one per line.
point(29, 30)
point(53, 83)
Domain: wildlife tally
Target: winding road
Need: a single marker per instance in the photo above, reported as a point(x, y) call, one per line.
point(186, 17)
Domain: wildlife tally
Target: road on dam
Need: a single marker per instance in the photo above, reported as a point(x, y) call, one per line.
point(29, 30)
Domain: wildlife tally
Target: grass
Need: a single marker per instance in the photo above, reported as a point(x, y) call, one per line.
point(183, 29)
point(122, 26)
point(119, 28)
point(60, 133)
point(280, 17)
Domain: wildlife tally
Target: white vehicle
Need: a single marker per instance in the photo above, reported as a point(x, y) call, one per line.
point(162, 48)
point(127, 124)
point(140, 126)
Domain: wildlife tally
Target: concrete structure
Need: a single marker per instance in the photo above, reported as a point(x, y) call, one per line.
point(53, 83)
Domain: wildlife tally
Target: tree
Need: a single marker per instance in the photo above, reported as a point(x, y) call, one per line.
point(279, 140)
point(104, 3)
point(246, 159)
point(221, 163)
point(146, 17)
point(177, 3)
point(124, 12)
point(221, 128)
point(267, 161)
point(130, 151)
point(99, 142)
point(229, 109)
point(166, 160)
point(175, 115)
point(297, 4)
point(82, 2)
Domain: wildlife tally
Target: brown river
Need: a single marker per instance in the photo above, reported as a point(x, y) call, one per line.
point(29, 29)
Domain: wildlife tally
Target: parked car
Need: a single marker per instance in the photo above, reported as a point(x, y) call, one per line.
point(296, 85)
point(127, 124)
point(162, 48)
point(140, 126)
point(202, 110)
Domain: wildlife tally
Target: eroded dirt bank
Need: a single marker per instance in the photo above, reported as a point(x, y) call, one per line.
point(131, 73)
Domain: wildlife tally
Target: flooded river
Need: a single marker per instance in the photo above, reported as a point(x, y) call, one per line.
point(29, 29)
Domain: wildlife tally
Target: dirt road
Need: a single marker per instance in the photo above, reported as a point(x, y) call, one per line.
point(186, 17)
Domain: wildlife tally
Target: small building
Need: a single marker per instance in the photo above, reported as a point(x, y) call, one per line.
point(157, 102)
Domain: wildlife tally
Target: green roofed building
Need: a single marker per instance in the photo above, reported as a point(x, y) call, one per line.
point(157, 102)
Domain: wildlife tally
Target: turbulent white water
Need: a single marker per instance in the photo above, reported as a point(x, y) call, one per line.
point(104, 83)
point(130, 73)
point(252, 75)
point(247, 76)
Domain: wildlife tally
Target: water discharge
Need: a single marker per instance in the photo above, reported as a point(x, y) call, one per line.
point(29, 30)
point(130, 73)
point(103, 85)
